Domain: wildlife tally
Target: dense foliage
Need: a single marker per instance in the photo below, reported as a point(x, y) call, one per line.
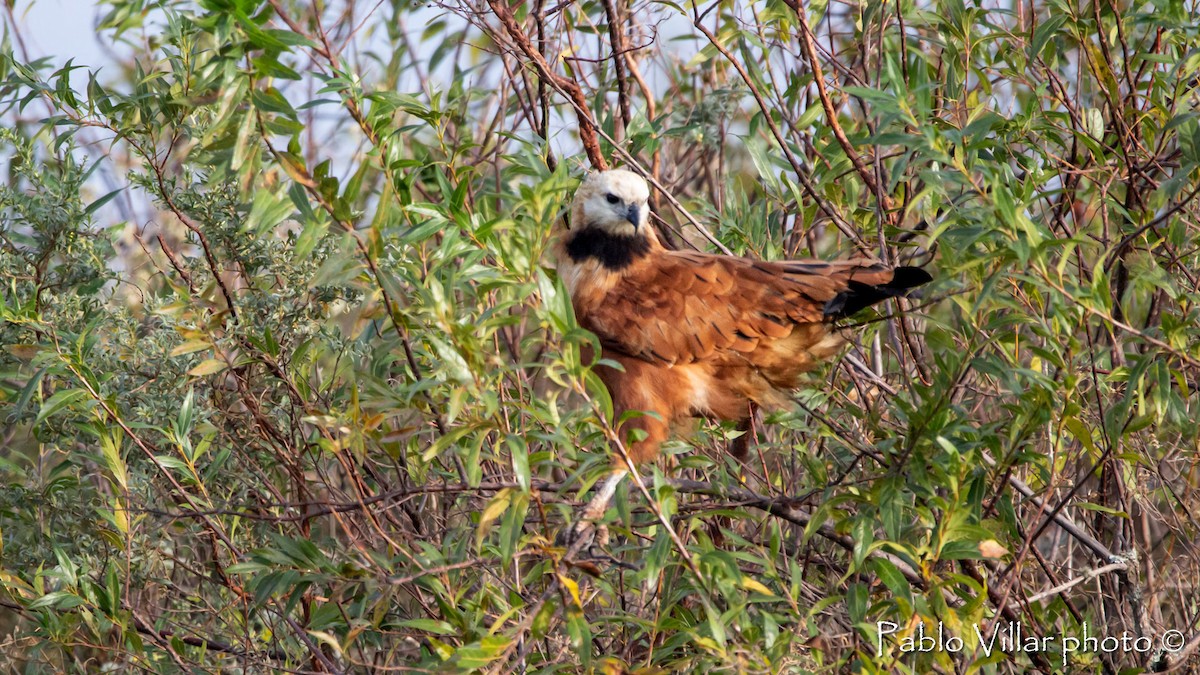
point(287, 382)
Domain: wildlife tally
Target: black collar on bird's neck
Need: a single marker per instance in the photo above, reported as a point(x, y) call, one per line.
point(614, 251)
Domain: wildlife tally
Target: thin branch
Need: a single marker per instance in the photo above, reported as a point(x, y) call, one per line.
point(798, 167)
point(616, 37)
point(587, 125)
point(807, 38)
point(1071, 583)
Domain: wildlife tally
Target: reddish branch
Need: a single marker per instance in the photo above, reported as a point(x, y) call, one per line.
point(814, 63)
point(617, 42)
point(587, 125)
point(805, 182)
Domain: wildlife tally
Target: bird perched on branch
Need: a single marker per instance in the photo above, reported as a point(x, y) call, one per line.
point(698, 334)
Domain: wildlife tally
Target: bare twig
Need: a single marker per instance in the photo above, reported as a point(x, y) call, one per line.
point(801, 173)
point(587, 125)
point(1071, 583)
point(807, 38)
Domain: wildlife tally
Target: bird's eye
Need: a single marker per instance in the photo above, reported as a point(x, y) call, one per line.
point(612, 199)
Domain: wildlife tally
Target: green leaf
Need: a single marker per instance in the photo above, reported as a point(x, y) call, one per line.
point(94, 206)
point(60, 600)
point(60, 400)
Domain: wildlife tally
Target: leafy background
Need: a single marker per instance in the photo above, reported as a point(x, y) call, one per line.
point(287, 383)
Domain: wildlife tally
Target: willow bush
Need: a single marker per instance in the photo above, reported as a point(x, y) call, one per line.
point(288, 383)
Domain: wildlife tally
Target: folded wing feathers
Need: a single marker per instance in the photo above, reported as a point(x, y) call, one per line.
point(689, 305)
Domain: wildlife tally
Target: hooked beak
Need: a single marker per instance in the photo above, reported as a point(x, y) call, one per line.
point(633, 216)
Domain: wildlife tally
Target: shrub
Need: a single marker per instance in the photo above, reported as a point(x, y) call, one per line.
point(288, 382)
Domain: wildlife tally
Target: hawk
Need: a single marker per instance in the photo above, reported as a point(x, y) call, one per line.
point(697, 334)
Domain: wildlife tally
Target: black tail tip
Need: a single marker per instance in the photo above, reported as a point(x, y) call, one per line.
point(859, 296)
point(909, 277)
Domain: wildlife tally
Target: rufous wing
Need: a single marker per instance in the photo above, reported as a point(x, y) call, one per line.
point(684, 307)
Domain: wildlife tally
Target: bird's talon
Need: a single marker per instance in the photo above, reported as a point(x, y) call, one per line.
point(584, 535)
point(580, 531)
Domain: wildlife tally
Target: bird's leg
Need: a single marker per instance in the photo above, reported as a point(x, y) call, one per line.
point(579, 537)
point(599, 504)
point(740, 446)
point(654, 429)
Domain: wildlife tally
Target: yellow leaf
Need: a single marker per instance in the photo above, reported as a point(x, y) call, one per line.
point(208, 367)
point(497, 506)
point(708, 644)
point(573, 588)
point(991, 548)
point(328, 639)
point(191, 346)
point(493, 511)
point(371, 422)
point(754, 585)
point(295, 168)
point(120, 516)
point(23, 352)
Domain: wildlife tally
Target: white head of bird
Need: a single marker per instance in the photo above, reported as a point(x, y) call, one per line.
point(612, 201)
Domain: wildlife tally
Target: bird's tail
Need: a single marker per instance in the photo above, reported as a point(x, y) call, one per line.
point(868, 285)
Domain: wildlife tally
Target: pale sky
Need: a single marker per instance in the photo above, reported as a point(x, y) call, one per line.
point(61, 29)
